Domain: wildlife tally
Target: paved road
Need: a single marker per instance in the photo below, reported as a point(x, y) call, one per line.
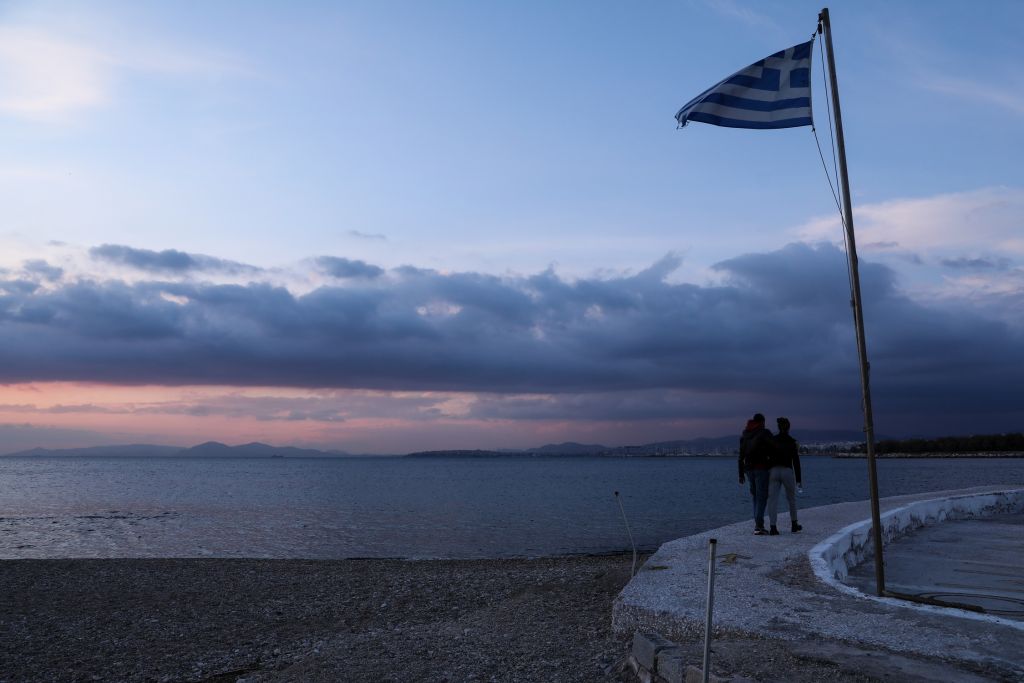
point(977, 562)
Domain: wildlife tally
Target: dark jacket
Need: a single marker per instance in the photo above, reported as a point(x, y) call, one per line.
point(787, 453)
point(756, 448)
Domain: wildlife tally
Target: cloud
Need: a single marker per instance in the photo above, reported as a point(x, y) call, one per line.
point(46, 76)
point(964, 263)
point(57, 409)
point(42, 269)
point(954, 221)
point(346, 268)
point(777, 329)
point(368, 235)
point(168, 260)
point(266, 404)
point(43, 76)
point(734, 10)
point(331, 406)
point(934, 234)
point(619, 406)
point(1001, 94)
point(18, 286)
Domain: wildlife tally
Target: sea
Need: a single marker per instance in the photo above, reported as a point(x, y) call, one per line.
point(327, 508)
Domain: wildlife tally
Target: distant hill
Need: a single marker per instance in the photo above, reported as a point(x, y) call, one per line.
point(212, 449)
point(568, 448)
point(718, 445)
point(256, 450)
point(698, 446)
point(129, 450)
point(464, 454)
point(827, 437)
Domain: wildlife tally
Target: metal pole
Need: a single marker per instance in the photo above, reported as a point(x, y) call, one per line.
point(858, 312)
point(712, 545)
point(630, 533)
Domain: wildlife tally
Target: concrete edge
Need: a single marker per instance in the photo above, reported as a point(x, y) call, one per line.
point(832, 558)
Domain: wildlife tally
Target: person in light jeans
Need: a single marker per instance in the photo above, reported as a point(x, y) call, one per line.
point(785, 473)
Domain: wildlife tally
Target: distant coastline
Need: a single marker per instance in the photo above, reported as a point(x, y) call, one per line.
point(834, 444)
point(890, 456)
point(212, 449)
point(481, 454)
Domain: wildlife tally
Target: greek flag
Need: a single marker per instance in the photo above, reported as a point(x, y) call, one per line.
point(772, 93)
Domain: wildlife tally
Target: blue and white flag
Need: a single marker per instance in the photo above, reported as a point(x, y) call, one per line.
point(772, 93)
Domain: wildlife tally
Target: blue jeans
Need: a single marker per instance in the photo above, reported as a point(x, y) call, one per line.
point(758, 494)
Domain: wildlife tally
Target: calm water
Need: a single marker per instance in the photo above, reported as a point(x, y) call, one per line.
point(366, 507)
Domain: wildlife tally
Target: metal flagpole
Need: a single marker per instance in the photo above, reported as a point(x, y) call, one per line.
point(858, 313)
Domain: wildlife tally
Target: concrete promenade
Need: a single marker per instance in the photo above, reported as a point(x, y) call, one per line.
point(977, 562)
point(791, 587)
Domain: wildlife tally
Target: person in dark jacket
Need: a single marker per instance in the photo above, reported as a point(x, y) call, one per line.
point(756, 448)
point(784, 473)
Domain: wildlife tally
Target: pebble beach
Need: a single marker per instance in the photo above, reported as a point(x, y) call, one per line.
point(220, 620)
point(295, 620)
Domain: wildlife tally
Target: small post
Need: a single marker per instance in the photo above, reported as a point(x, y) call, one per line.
point(630, 533)
point(712, 545)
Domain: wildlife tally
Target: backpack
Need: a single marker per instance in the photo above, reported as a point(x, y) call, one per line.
point(757, 449)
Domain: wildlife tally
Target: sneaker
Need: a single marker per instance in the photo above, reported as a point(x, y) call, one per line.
point(774, 531)
point(760, 532)
point(796, 527)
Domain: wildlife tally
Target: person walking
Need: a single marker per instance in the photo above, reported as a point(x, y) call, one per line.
point(756, 448)
point(784, 473)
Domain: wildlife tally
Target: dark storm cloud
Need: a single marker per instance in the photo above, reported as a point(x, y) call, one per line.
point(347, 268)
point(666, 406)
point(167, 261)
point(779, 326)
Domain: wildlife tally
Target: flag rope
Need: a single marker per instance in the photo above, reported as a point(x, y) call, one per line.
point(828, 107)
point(828, 176)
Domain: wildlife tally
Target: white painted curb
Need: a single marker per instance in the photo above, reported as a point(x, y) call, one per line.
point(832, 558)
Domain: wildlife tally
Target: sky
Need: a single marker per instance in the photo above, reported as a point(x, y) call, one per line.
point(383, 227)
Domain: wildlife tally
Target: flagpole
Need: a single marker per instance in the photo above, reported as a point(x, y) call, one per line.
point(858, 313)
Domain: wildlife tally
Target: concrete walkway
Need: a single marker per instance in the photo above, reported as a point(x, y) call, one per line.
point(768, 586)
point(978, 562)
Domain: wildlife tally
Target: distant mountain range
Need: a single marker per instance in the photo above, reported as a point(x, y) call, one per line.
point(213, 449)
point(720, 445)
point(717, 445)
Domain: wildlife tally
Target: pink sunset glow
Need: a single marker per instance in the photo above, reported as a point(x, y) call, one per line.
point(65, 414)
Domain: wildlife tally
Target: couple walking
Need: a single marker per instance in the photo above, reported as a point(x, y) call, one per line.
point(769, 462)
